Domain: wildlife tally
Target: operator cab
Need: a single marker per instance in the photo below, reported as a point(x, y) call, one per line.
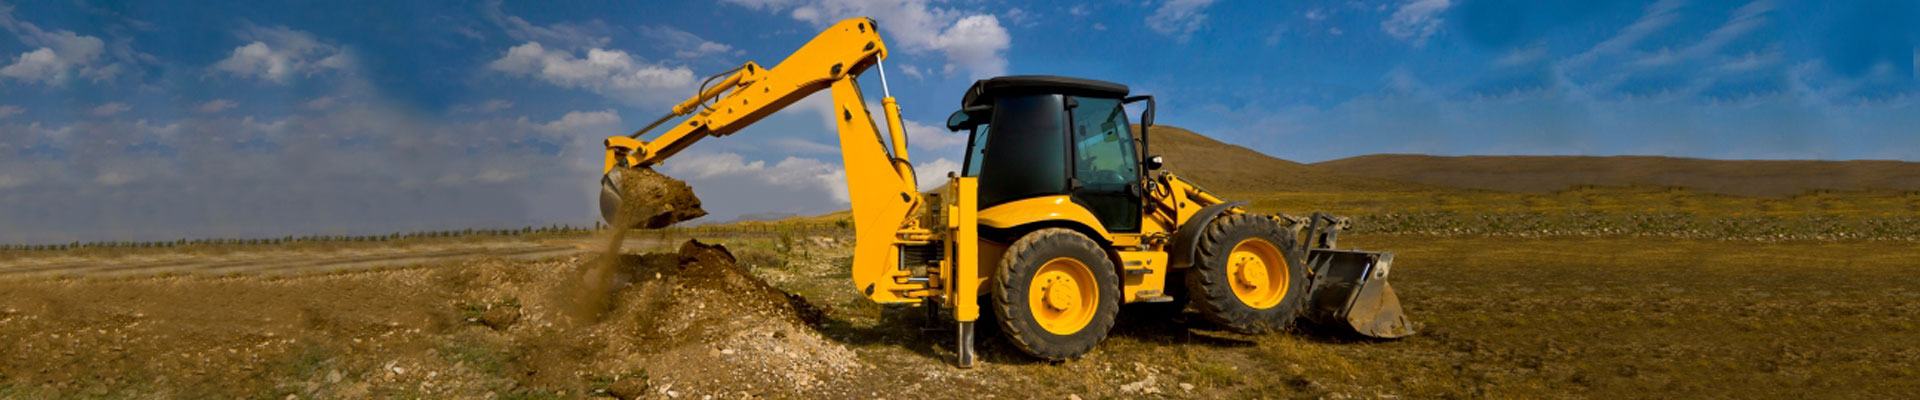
point(1033, 136)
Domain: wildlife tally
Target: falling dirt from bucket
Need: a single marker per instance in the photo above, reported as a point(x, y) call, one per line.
point(630, 198)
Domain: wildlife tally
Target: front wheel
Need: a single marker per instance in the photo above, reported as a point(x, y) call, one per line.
point(1055, 294)
point(1248, 276)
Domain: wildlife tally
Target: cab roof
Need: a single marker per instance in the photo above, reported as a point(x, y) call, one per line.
point(984, 91)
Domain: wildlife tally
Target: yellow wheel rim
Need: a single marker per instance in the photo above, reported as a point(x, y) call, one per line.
point(1258, 273)
point(1063, 296)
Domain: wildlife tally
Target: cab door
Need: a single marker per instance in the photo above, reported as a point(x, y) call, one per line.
point(1105, 169)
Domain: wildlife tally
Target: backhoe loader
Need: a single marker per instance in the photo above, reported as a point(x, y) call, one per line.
point(1055, 219)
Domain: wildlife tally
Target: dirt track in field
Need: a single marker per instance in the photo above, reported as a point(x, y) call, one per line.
point(266, 260)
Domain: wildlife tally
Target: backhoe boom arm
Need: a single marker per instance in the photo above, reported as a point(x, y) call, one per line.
point(880, 181)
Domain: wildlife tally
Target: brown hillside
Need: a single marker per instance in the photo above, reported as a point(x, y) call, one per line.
point(1551, 173)
point(1233, 169)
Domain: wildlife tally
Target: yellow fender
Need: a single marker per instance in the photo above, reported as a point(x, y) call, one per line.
point(1043, 209)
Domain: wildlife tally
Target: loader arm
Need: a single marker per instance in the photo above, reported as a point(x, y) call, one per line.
point(880, 181)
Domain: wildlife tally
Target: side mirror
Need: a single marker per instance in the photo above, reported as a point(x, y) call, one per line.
point(959, 121)
point(967, 118)
point(1154, 162)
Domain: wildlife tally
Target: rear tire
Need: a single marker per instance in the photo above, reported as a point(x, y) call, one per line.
point(1055, 294)
point(1249, 276)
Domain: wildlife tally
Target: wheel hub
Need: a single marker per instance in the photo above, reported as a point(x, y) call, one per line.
point(1252, 272)
point(1258, 273)
point(1062, 293)
point(1063, 296)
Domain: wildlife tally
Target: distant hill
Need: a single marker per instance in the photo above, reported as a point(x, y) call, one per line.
point(1551, 173)
point(1231, 168)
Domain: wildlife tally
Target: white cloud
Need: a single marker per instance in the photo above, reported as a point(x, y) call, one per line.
point(916, 73)
point(768, 5)
point(57, 56)
point(1522, 56)
point(1315, 14)
point(595, 124)
point(683, 43)
point(360, 166)
point(1656, 17)
point(971, 41)
point(611, 73)
point(1416, 20)
point(216, 105)
point(114, 178)
point(798, 145)
point(708, 165)
point(279, 54)
point(933, 138)
point(1079, 10)
point(1020, 17)
point(10, 110)
point(1752, 61)
point(486, 107)
point(790, 176)
point(931, 174)
point(1744, 20)
point(9, 181)
point(566, 35)
point(109, 109)
point(1179, 18)
point(975, 43)
point(321, 103)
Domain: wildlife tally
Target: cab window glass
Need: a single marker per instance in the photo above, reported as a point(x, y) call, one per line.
point(976, 148)
point(1103, 146)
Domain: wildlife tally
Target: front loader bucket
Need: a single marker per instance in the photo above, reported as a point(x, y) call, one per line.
point(1349, 294)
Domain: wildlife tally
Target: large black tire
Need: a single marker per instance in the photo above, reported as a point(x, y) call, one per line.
point(1014, 281)
point(1210, 285)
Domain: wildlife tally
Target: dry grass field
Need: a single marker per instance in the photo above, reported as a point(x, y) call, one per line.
point(1584, 291)
point(1500, 316)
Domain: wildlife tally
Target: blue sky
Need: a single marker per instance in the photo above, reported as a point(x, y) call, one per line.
point(161, 120)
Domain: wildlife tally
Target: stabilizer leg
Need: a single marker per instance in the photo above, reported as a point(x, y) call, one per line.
point(964, 349)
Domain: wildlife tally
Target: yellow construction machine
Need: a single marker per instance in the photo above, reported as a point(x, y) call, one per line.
point(1055, 220)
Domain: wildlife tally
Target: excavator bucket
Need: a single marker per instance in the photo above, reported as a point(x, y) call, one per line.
point(642, 198)
point(1350, 294)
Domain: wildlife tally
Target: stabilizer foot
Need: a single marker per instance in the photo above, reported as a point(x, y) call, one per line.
point(964, 349)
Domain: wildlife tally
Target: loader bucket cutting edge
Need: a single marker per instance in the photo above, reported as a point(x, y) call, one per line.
point(1350, 294)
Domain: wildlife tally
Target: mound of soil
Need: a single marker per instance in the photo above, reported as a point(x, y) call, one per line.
point(684, 324)
point(702, 316)
point(694, 321)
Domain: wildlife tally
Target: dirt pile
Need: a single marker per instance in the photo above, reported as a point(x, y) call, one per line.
point(682, 324)
point(705, 318)
point(630, 198)
point(693, 321)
